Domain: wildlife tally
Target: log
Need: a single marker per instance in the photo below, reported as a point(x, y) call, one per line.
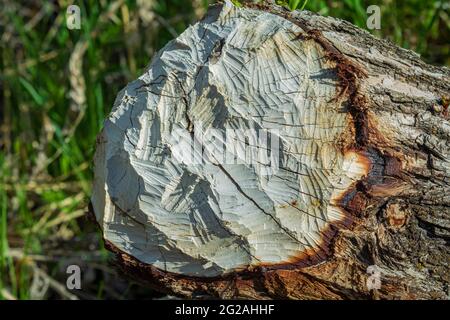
point(274, 154)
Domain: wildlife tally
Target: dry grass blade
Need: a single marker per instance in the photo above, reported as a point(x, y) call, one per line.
point(42, 276)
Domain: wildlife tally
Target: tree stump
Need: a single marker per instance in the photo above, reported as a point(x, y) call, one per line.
point(334, 182)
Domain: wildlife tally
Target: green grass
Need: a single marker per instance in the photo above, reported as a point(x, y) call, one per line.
point(293, 4)
point(57, 86)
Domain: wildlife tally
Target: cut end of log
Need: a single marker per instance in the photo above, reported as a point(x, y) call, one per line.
point(242, 71)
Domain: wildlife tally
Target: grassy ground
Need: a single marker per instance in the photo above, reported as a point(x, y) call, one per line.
point(57, 85)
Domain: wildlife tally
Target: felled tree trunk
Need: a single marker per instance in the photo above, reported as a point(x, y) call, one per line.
point(358, 182)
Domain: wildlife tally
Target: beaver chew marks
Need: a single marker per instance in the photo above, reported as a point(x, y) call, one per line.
point(238, 71)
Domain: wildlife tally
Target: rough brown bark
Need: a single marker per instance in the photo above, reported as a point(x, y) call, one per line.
point(400, 211)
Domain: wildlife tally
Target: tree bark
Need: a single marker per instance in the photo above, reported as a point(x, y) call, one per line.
point(370, 179)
